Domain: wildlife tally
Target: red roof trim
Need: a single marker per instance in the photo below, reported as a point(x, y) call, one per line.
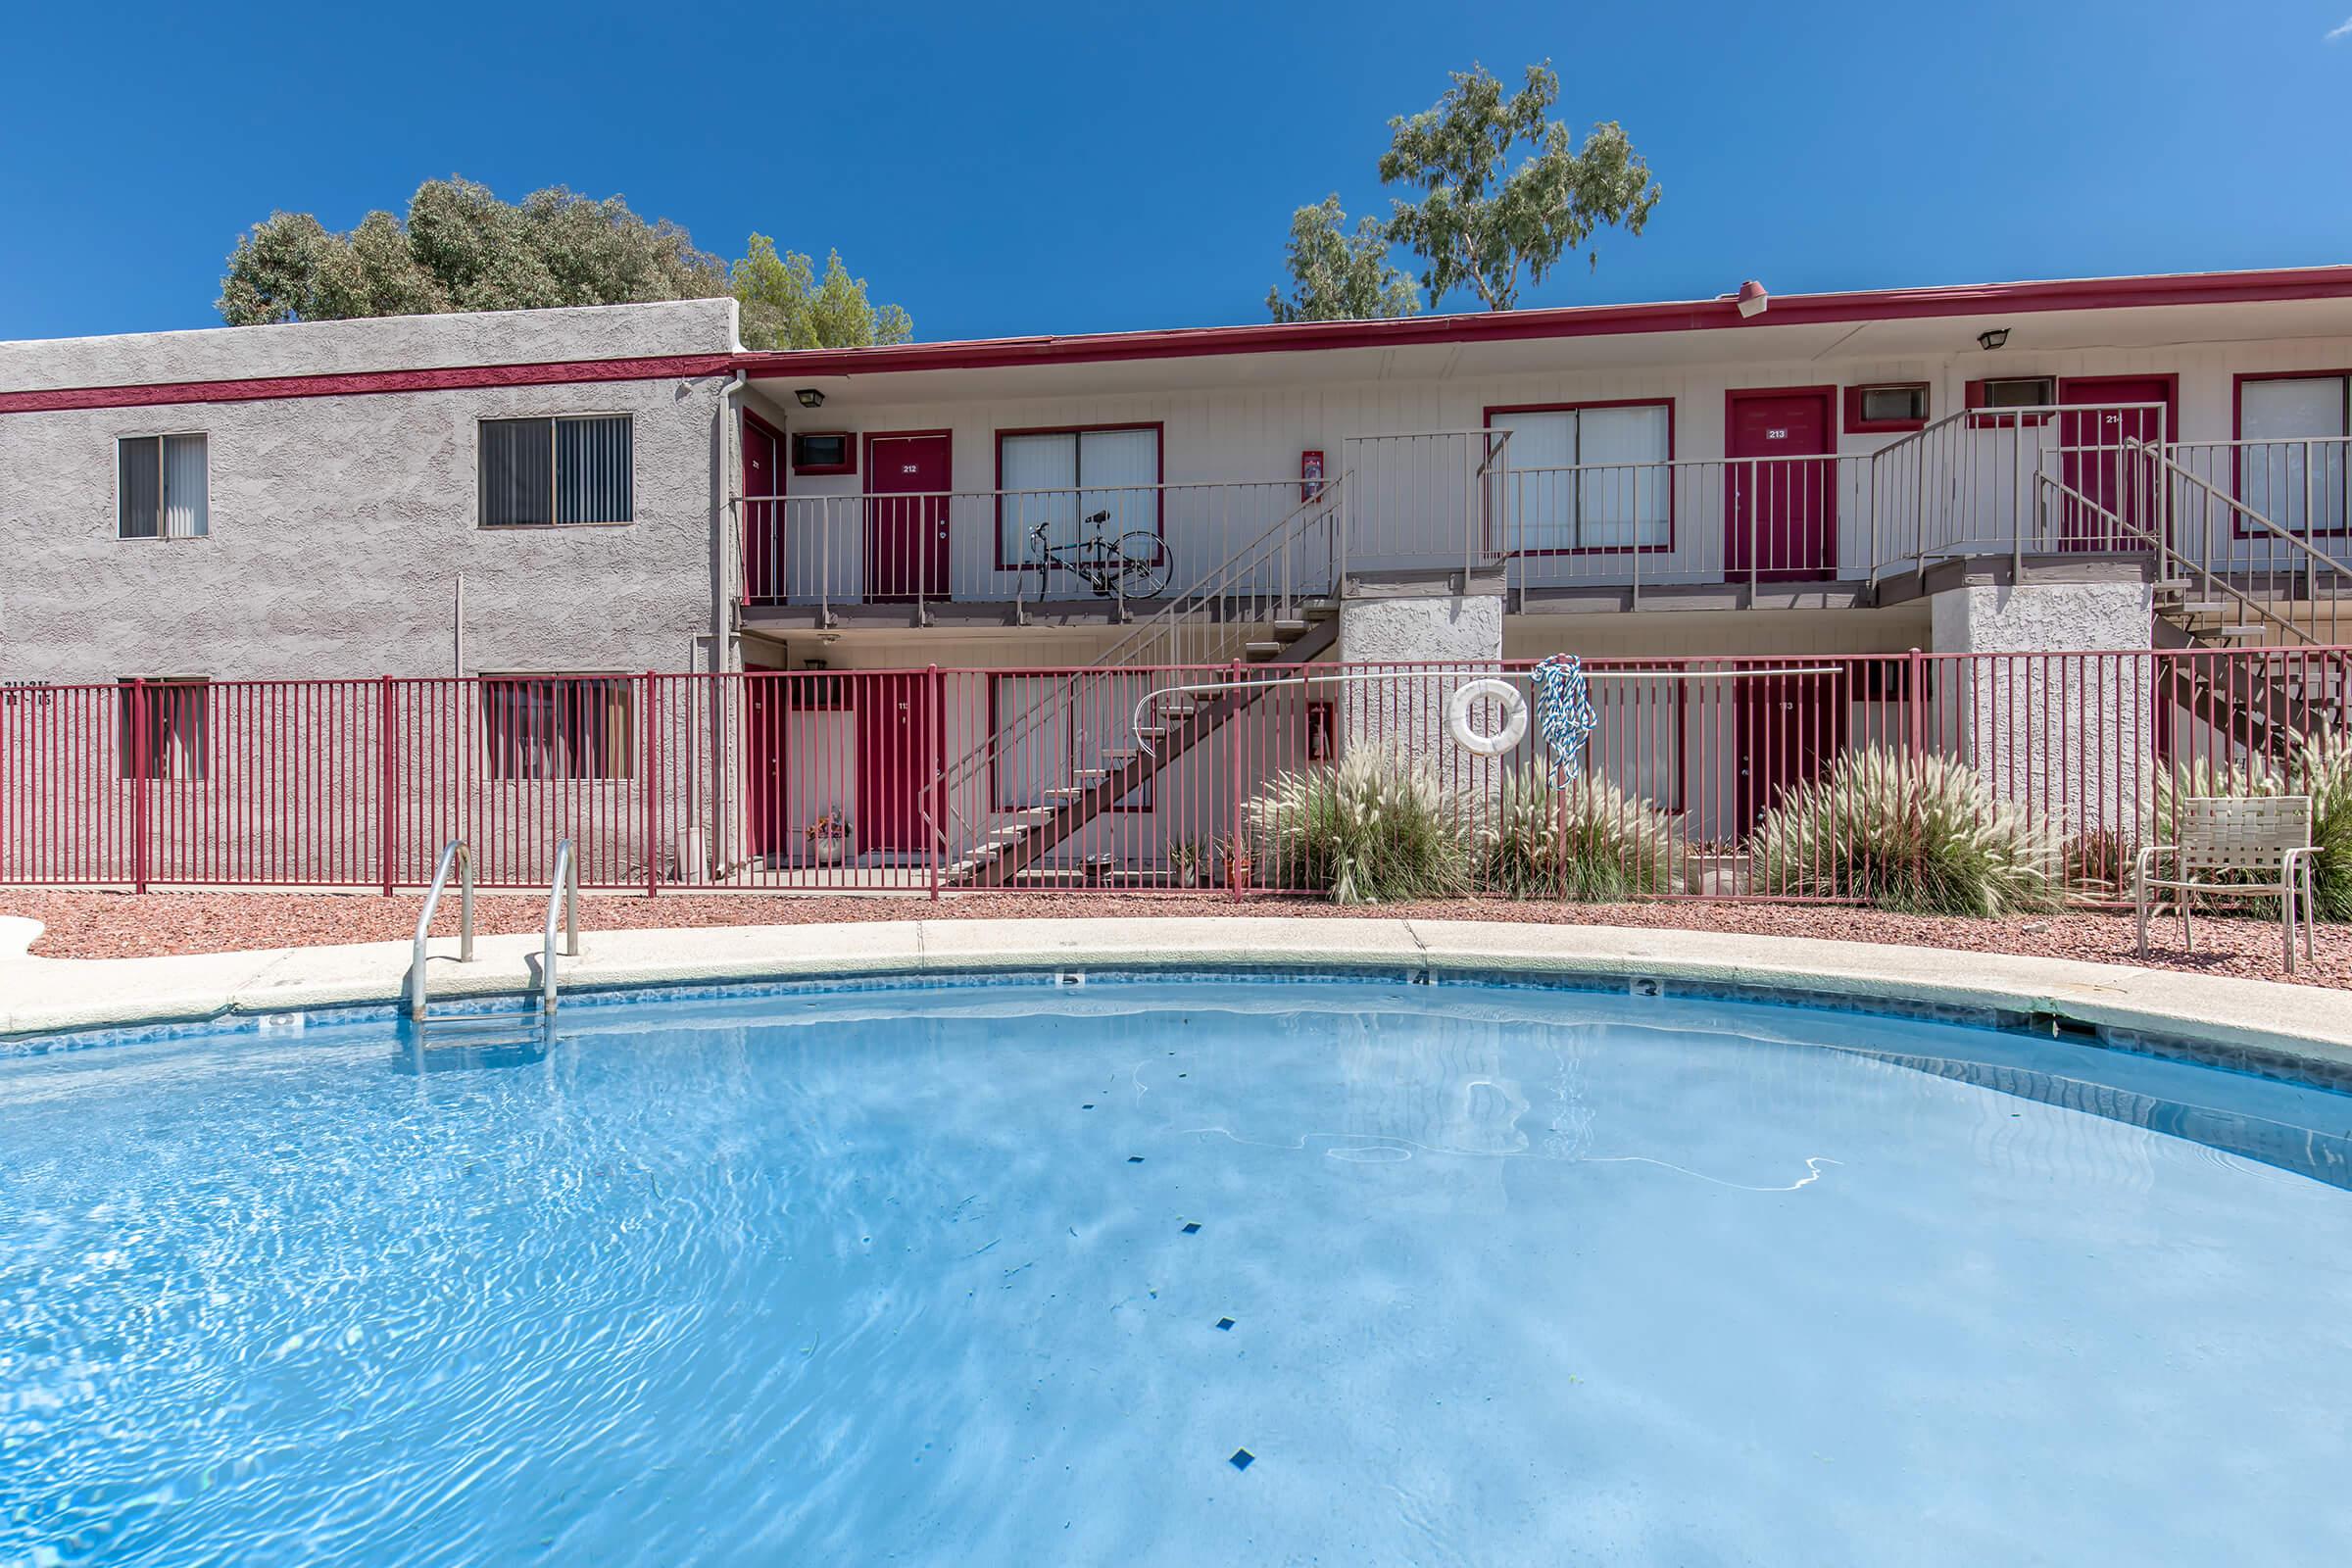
point(1585, 320)
point(360, 383)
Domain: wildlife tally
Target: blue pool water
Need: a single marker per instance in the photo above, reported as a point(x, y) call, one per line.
point(1171, 1272)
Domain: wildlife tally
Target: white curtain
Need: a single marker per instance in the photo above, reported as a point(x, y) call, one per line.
point(1103, 720)
point(1036, 462)
point(1119, 470)
point(2291, 469)
point(1033, 740)
point(1542, 446)
point(187, 509)
point(1624, 503)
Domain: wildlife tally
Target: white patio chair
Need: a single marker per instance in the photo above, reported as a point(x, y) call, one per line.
point(2218, 835)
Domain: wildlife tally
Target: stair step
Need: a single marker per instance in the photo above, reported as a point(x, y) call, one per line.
point(1262, 651)
point(2202, 607)
point(1067, 791)
point(2232, 631)
point(1150, 732)
point(1289, 628)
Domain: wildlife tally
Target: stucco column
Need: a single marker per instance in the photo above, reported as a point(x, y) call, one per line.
point(2037, 713)
point(1409, 624)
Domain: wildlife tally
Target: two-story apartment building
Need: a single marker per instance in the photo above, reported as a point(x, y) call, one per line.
point(559, 500)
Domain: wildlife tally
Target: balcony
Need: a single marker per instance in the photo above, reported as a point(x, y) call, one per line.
point(2000, 492)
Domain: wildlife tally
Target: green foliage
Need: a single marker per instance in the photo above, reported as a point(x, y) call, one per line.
point(1476, 226)
point(462, 249)
point(2320, 766)
point(786, 306)
point(1337, 277)
point(1589, 842)
point(1374, 829)
point(1917, 835)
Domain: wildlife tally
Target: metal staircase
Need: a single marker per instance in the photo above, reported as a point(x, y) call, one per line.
point(2230, 578)
point(1269, 604)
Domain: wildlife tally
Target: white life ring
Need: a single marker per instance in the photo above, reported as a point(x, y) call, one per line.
point(1514, 719)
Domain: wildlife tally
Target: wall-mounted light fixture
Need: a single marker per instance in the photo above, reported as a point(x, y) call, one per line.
point(1998, 337)
point(1752, 298)
point(810, 398)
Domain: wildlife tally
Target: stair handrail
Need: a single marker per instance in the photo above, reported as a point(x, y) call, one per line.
point(1213, 586)
point(2313, 562)
point(457, 853)
point(563, 894)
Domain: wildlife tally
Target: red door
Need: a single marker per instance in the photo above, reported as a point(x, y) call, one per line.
point(763, 710)
point(1781, 516)
point(1791, 727)
point(762, 549)
point(2117, 487)
point(907, 516)
point(895, 763)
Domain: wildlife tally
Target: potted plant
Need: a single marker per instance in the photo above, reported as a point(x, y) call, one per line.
point(1233, 851)
point(1184, 862)
point(828, 838)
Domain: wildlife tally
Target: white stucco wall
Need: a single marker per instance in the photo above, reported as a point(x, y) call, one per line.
point(379, 343)
point(339, 525)
point(2076, 735)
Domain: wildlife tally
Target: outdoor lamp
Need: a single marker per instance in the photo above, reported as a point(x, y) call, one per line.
point(1997, 338)
point(810, 398)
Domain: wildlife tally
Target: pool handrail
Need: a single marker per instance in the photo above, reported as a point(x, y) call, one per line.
point(562, 893)
point(456, 852)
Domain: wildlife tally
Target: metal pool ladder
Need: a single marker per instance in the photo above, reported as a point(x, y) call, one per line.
point(458, 854)
point(562, 898)
point(564, 894)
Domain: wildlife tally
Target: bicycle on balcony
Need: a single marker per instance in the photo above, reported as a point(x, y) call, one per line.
point(1133, 566)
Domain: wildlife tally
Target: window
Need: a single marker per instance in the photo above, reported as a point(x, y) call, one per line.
point(163, 730)
point(565, 470)
point(1059, 477)
point(2290, 465)
point(1892, 406)
point(2018, 392)
point(161, 487)
point(1590, 478)
point(558, 726)
point(1049, 725)
point(823, 452)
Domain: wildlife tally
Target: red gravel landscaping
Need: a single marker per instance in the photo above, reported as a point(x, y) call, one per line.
point(113, 925)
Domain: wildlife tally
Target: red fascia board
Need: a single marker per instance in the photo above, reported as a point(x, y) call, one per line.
point(1586, 321)
point(361, 383)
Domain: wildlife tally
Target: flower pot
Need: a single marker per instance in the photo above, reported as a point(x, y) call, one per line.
point(1188, 876)
point(828, 851)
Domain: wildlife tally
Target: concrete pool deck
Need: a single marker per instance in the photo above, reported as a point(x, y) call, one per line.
point(2298, 1022)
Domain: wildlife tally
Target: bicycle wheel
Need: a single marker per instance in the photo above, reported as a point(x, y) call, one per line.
point(1143, 564)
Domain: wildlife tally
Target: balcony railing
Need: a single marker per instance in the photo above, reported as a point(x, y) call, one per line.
point(2016, 482)
point(1102, 545)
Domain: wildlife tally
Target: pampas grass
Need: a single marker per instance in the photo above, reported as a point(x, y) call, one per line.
point(1378, 828)
point(1915, 835)
point(1589, 842)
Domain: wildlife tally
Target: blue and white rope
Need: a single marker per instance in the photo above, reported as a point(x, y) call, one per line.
point(1564, 708)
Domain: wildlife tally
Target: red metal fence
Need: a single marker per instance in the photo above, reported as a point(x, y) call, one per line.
point(932, 780)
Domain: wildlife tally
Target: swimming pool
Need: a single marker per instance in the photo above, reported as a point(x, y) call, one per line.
point(1156, 1270)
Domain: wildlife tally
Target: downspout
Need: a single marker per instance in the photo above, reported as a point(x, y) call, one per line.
point(726, 657)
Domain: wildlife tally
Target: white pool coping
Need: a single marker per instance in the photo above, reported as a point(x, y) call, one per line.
point(49, 995)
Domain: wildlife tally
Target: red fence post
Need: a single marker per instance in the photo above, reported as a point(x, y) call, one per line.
point(1233, 851)
point(935, 747)
point(384, 812)
point(1915, 674)
point(138, 787)
point(651, 770)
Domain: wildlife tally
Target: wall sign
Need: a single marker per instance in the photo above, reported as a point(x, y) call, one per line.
point(1310, 474)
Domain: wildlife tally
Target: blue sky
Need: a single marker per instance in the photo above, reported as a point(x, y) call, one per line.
point(1009, 169)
